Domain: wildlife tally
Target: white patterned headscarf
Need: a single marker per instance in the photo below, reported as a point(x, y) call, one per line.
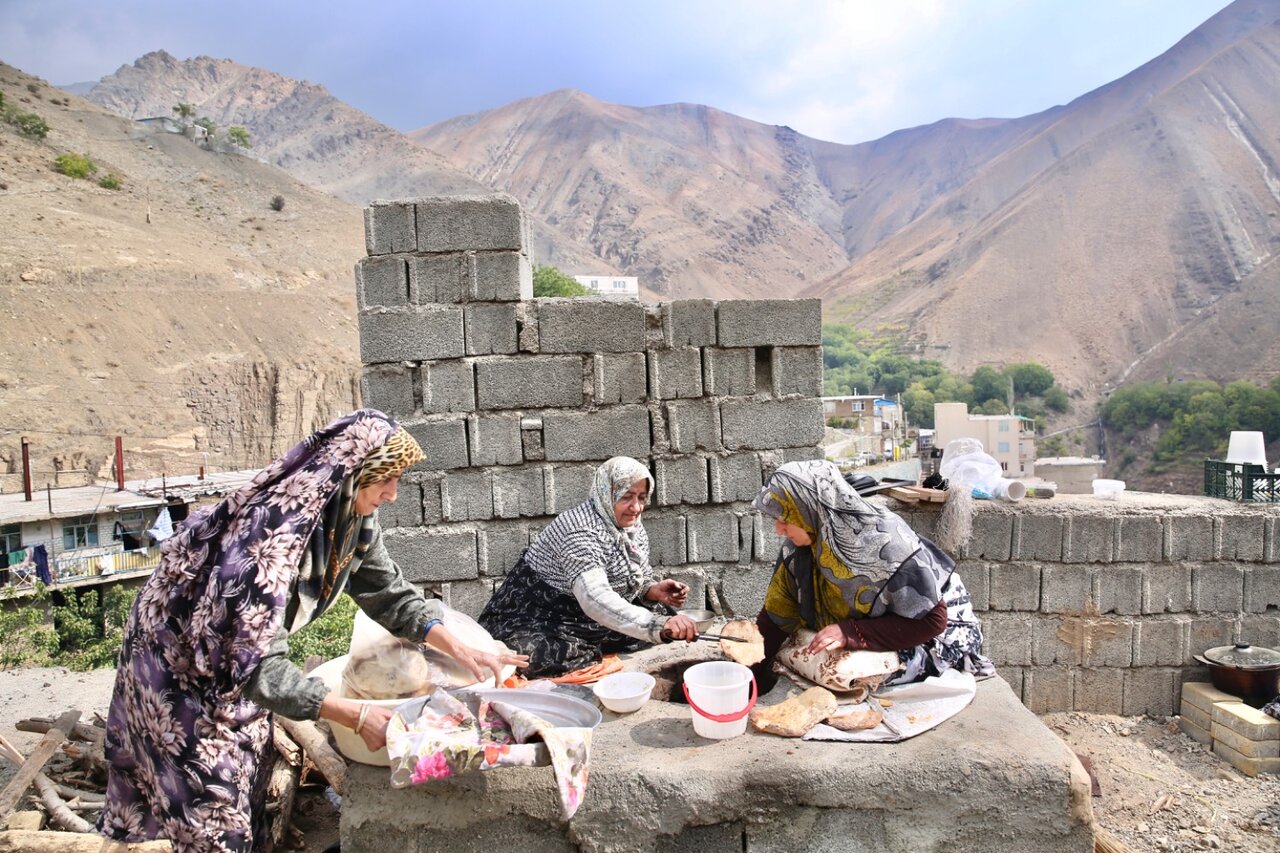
point(611, 482)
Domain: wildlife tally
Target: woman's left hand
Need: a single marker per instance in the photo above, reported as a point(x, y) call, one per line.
point(829, 639)
point(669, 592)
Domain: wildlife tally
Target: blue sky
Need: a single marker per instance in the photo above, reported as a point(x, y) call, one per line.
point(844, 71)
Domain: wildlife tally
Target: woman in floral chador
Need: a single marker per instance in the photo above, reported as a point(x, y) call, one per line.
point(204, 659)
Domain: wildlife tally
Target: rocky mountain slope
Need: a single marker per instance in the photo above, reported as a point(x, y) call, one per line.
point(180, 311)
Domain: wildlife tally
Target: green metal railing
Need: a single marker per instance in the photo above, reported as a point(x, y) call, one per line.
point(1240, 481)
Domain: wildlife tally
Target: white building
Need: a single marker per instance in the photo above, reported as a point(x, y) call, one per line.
point(612, 286)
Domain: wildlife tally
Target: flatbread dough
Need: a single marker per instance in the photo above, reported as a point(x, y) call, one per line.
point(855, 721)
point(746, 654)
point(388, 671)
point(795, 716)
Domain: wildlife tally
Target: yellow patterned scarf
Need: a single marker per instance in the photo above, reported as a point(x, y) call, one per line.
point(392, 459)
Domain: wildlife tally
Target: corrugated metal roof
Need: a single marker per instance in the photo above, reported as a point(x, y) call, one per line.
point(190, 486)
point(66, 503)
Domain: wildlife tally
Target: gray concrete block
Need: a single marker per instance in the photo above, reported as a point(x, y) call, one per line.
point(1066, 589)
point(1089, 539)
point(1007, 638)
point(432, 505)
point(689, 323)
point(531, 439)
point(620, 378)
point(802, 454)
point(694, 578)
point(438, 278)
point(600, 434)
point(429, 557)
point(768, 424)
point(746, 524)
point(797, 370)
point(1217, 588)
point(1159, 642)
point(976, 576)
point(567, 486)
point(1082, 641)
point(1048, 689)
point(668, 542)
point(467, 495)
point(1141, 540)
point(382, 280)
point(414, 334)
point(1261, 589)
point(388, 388)
point(713, 536)
point(490, 328)
point(1013, 676)
point(769, 322)
point(1099, 691)
point(448, 386)
point(1015, 586)
point(923, 521)
point(495, 439)
point(766, 544)
point(388, 228)
point(443, 441)
point(1166, 588)
point(681, 480)
point(1261, 630)
point(518, 492)
point(1118, 589)
point(467, 223)
point(675, 373)
point(405, 510)
point(1208, 632)
point(693, 425)
point(1189, 537)
point(499, 276)
point(1243, 537)
point(729, 372)
point(535, 381)
point(1273, 540)
point(468, 596)
point(735, 477)
point(500, 546)
point(1038, 537)
point(992, 537)
point(527, 325)
point(1150, 691)
point(590, 325)
point(743, 588)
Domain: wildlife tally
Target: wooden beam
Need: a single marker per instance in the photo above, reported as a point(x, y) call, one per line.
point(35, 762)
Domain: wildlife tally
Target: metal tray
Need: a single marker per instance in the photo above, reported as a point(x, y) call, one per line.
point(553, 706)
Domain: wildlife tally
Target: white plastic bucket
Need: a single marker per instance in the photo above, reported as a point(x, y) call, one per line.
point(720, 695)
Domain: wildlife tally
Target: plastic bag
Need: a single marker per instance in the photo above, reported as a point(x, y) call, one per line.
point(965, 461)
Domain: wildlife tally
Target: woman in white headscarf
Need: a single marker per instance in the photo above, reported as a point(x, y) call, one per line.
point(584, 587)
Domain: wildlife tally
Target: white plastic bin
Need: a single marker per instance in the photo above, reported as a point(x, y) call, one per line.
point(720, 695)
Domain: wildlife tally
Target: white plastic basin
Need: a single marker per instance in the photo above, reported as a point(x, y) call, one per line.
point(624, 692)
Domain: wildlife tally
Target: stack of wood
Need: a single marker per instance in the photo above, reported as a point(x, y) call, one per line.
point(63, 797)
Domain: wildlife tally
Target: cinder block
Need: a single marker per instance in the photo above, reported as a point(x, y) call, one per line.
point(765, 541)
point(495, 439)
point(388, 228)
point(1088, 539)
point(467, 495)
point(1273, 540)
point(1190, 537)
point(1261, 630)
point(729, 372)
point(1141, 539)
point(1015, 586)
point(531, 439)
point(1047, 689)
point(432, 506)
point(1194, 732)
point(411, 334)
point(1265, 748)
point(693, 425)
point(1203, 696)
point(1158, 642)
point(527, 325)
point(743, 589)
point(1118, 589)
point(1207, 632)
point(1038, 537)
point(1261, 589)
point(1166, 588)
point(1243, 537)
point(735, 477)
point(695, 579)
point(689, 323)
point(1217, 588)
point(448, 386)
point(976, 577)
point(620, 378)
point(1014, 676)
point(675, 373)
point(1100, 691)
point(766, 424)
point(382, 280)
point(500, 546)
point(801, 454)
point(405, 510)
point(769, 322)
point(490, 328)
point(1066, 589)
point(467, 223)
point(428, 557)
point(668, 543)
point(567, 486)
point(443, 441)
point(438, 278)
point(601, 434)
point(499, 276)
point(713, 536)
point(992, 537)
point(681, 480)
point(388, 388)
point(1008, 638)
point(746, 524)
point(589, 325)
point(529, 382)
point(1244, 720)
point(518, 492)
point(797, 370)
point(1149, 691)
point(469, 597)
point(1082, 641)
point(1249, 766)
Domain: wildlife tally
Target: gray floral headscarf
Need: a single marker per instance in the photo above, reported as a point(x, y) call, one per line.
point(611, 482)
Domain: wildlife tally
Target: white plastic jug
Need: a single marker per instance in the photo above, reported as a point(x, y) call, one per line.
point(720, 695)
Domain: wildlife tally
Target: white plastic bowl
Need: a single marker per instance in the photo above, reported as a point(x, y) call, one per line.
point(624, 692)
point(1108, 489)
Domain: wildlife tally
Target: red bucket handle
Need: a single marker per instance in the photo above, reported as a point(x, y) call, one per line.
point(723, 718)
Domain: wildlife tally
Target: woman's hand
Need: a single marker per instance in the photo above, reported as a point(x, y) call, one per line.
point(680, 628)
point(829, 639)
point(474, 659)
point(347, 712)
point(669, 592)
point(374, 730)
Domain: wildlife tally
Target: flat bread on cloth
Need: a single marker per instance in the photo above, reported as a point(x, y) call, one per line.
point(842, 671)
point(916, 708)
point(795, 716)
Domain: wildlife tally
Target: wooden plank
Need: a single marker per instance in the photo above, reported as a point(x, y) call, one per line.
point(903, 493)
point(35, 762)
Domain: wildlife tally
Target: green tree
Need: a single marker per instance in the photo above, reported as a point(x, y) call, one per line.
point(1030, 378)
point(184, 111)
point(990, 384)
point(549, 281)
point(1055, 399)
point(993, 406)
point(74, 165)
point(239, 136)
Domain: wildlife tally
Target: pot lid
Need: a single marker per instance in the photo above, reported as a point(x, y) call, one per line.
point(1244, 656)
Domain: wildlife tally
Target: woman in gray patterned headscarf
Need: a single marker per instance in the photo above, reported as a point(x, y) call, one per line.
point(584, 586)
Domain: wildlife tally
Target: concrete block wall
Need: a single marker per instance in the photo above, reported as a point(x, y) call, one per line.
point(1098, 605)
point(516, 400)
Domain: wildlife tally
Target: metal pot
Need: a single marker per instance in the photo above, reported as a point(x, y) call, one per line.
point(1250, 672)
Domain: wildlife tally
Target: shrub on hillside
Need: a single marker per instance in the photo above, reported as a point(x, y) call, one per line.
point(74, 165)
point(110, 181)
point(28, 124)
point(277, 203)
point(239, 136)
